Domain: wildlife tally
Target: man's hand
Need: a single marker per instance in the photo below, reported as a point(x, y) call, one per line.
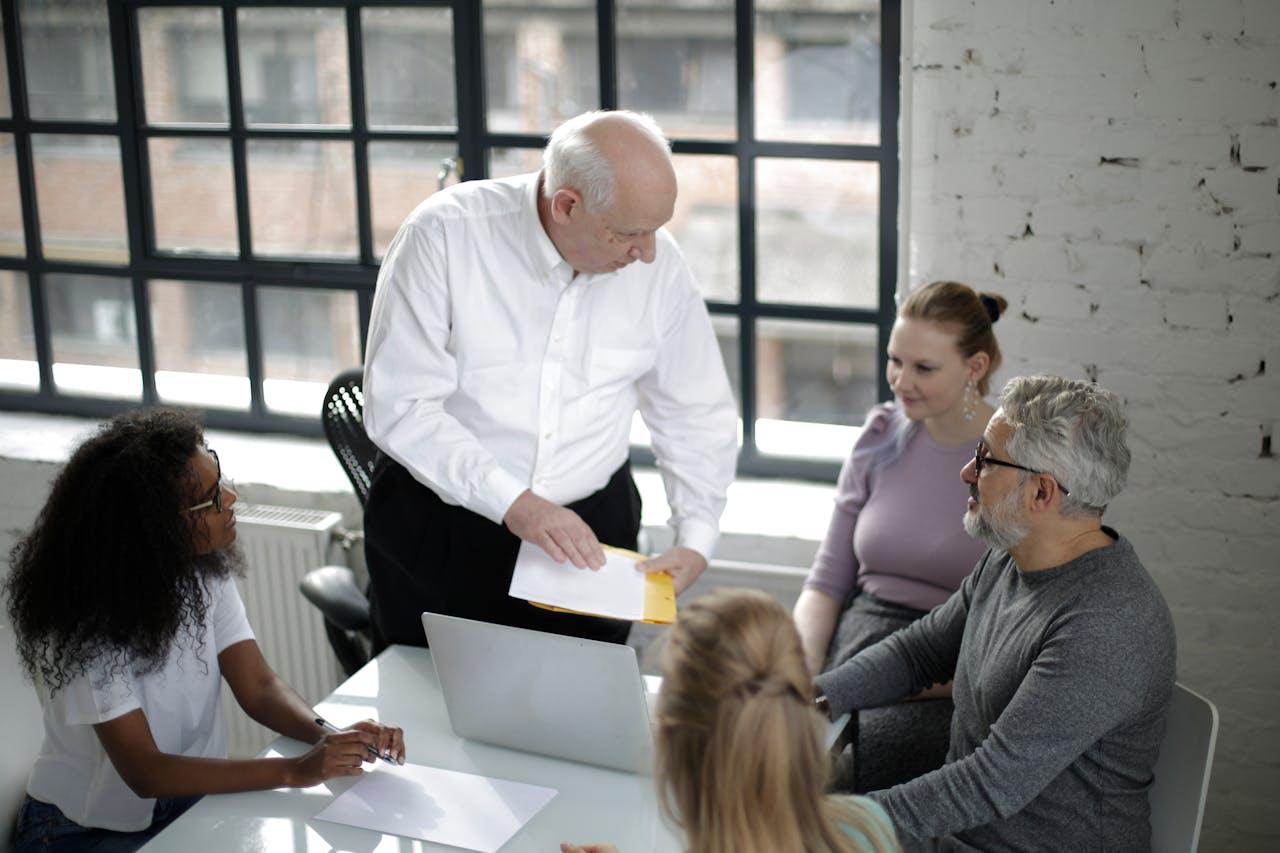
point(558, 531)
point(684, 564)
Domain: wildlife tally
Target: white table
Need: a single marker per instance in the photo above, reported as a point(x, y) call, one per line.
point(400, 687)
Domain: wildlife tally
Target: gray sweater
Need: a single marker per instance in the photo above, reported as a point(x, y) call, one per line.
point(1062, 681)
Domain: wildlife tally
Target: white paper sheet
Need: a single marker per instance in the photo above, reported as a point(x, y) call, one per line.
point(616, 590)
point(443, 806)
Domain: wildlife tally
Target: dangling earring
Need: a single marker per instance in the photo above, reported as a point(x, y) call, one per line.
point(970, 400)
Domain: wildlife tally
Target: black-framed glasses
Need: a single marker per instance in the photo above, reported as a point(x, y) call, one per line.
point(216, 500)
point(980, 458)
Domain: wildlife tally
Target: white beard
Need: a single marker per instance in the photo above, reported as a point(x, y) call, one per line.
point(998, 525)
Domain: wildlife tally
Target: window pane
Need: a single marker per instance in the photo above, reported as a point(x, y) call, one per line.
point(676, 61)
point(308, 337)
point(705, 222)
point(80, 196)
point(818, 71)
point(66, 48)
point(401, 175)
point(18, 367)
point(6, 108)
point(813, 381)
point(541, 64)
point(95, 350)
point(198, 330)
point(818, 232)
point(408, 67)
point(302, 198)
point(506, 162)
point(293, 66)
point(12, 234)
point(184, 65)
point(193, 195)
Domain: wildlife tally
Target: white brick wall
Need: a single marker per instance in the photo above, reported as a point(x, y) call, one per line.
point(1113, 169)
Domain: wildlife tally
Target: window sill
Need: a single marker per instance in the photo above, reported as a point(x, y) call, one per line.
point(774, 521)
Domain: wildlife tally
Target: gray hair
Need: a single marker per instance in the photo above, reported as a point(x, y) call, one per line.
point(1072, 430)
point(573, 160)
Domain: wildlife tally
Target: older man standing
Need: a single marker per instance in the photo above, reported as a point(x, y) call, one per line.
point(513, 337)
point(1060, 644)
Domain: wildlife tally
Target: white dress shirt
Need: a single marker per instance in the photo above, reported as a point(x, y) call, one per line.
point(180, 701)
point(491, 368)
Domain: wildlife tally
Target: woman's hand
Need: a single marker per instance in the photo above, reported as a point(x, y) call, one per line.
point(390, 738)
point(337, 754)
point(816, 615)
point(606, 847)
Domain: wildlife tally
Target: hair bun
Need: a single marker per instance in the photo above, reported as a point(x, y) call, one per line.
point(991, 304)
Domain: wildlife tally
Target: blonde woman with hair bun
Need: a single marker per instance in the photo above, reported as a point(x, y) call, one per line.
point(895, 546)
point(740, 765)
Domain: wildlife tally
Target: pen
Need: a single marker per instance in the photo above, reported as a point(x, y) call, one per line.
point(330, 727)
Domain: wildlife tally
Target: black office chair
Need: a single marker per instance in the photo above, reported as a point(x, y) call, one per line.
point(333, 589)
point(343, 422)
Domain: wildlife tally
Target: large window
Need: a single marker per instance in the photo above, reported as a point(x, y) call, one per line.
point(194, 199)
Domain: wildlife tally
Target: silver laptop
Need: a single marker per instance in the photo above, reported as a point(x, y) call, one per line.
point(561, 696)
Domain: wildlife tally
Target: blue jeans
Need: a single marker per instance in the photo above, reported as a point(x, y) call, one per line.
point(42, 827)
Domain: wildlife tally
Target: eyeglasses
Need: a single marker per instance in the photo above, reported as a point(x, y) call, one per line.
point(980, 458)
point(216, 500)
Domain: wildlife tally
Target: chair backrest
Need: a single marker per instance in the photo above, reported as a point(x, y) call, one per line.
point(1182, 772)
point(343, 420)
point(21, 713)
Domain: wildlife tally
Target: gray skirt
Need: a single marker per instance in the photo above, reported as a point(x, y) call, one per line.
point(896, 743)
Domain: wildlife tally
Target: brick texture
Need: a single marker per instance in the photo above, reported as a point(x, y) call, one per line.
point(1113, 169)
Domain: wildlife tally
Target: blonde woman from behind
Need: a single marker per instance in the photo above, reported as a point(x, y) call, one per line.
point(740, 764)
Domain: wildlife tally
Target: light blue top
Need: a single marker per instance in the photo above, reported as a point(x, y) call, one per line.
point(878, 824)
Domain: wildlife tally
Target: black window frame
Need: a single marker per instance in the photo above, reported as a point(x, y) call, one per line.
point(473, 141)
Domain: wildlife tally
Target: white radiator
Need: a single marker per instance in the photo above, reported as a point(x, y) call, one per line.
point(281, 544)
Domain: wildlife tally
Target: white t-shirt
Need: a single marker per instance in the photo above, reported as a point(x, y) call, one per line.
point(179, 700)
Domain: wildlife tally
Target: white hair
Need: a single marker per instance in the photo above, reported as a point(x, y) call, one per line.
point(1072, 430)
point(572, 159)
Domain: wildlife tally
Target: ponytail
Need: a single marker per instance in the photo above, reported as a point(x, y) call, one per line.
point(740, 764)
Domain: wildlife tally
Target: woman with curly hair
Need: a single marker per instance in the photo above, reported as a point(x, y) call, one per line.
point(739, 760)
point(127, 620)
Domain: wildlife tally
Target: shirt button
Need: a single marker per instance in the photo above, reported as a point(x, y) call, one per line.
point(547, 436)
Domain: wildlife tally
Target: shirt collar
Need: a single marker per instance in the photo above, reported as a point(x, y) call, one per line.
point(545, 255)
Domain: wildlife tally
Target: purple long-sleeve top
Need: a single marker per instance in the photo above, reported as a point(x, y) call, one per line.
point(896, 530)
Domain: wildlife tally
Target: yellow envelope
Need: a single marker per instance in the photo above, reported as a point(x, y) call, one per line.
point(659, 594)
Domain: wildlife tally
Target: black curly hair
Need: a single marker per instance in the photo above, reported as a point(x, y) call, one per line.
point(109, 572)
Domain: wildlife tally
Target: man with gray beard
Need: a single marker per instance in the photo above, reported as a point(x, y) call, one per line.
point(1059, 643)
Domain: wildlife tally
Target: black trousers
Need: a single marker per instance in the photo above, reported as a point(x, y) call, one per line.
point(424, 554)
